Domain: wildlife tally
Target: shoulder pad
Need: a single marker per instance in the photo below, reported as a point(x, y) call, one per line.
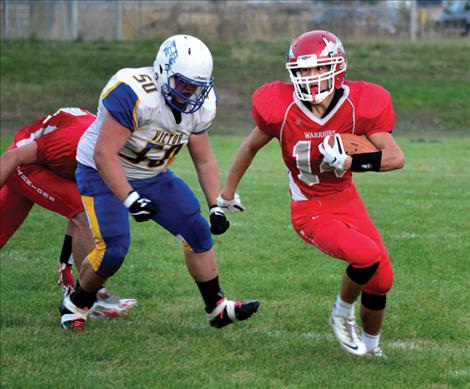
point(269, 103)
point(372, 99)
point(374, 109)
point(206, 114)
point(129, 93)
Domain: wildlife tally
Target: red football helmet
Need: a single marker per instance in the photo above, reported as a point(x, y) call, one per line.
point(313, 49)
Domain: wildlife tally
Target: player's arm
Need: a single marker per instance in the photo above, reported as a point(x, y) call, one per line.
point(208, 174)
point(245, 155)
point(11, 159)
point(112, 138)
point(392, 156)
point(206, 166)
point(387, 157)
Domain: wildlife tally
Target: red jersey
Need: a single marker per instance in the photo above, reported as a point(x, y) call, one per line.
point(364, 108)
point(57, 137)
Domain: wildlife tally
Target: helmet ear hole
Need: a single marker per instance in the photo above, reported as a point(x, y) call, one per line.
point(175, 59)
point(320, 49)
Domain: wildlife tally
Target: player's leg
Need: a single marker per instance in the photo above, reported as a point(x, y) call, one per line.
point(106, 306)
point(109, 222)
point(78, 240)
point(373, 299)
point(36, 184)
point(100, 264)
point(179, 212)
point(374, 296)
point(373, 305)
point(66, 279)
point(78, 235)
point(47, 189)
point(219, 311)
point(363, 256)
point(14, 208)
point(82, 238)
point(332, 230)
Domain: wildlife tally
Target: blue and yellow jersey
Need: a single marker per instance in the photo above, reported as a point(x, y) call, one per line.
point(133, 98)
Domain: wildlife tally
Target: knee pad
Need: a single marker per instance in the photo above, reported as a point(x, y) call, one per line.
point(382, 281)
point(372, 301)
point(362, 275)
point(112, 258)
point(197, 233)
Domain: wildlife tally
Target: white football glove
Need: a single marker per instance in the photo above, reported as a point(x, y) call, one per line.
point(335, 156)
point(231, 206)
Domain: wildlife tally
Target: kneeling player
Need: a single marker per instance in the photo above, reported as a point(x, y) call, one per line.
point(38, 168)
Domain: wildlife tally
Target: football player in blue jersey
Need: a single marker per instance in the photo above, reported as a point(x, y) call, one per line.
point(145, 116)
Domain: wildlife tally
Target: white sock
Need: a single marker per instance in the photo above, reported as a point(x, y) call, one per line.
point(343, 308)
point(371, 341)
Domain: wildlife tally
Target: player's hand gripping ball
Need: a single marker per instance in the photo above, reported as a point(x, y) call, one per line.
point(356, 144)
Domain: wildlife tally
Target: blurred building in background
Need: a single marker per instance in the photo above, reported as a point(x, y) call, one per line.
point(224, 21)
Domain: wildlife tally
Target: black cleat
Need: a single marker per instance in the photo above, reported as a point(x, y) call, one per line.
point(228, 311)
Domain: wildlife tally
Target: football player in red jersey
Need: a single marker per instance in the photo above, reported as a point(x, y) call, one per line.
point(38, 168)
point(305, 116)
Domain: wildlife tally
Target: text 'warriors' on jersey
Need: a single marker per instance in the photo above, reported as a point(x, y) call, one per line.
point(363, 108)
point(134, 100)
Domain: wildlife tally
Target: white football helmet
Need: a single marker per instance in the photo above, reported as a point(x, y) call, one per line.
point(183, 69)
point(313, 49)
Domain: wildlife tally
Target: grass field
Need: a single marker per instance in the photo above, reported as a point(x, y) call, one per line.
point(421, 211)
point(428, 81)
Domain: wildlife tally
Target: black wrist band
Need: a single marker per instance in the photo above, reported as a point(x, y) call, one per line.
point(365, 162)
point(213, 206)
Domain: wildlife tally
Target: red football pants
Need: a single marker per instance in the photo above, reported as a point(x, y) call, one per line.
point(30, 185)
point(340, 226)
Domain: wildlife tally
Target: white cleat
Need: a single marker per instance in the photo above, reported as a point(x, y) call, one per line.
point(376, 353)
point(109, 307)
point(346, 332)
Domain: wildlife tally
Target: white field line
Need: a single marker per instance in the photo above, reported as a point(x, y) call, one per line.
point(418, 346)
point(459, 373)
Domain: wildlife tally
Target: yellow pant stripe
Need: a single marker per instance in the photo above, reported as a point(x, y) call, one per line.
point(96, 256)
point(186, 246)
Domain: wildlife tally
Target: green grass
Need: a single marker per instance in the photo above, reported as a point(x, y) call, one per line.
point(428, 81)
point(421, 211)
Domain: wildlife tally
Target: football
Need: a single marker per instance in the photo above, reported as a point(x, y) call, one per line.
point(356, 144)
